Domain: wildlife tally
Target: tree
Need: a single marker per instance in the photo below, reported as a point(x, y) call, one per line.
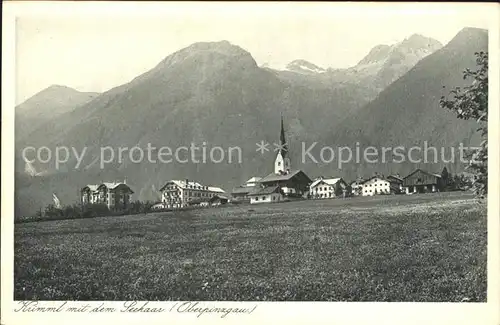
point(471, 102)
point(52, 212)
point(444, 174)
point(339, 190)
point(445, 179)
point(461, 182)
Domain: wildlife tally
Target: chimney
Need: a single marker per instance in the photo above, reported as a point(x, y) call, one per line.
point(125, 180)
point(187, 182)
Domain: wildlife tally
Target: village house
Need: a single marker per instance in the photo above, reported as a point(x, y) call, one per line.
point(89, 194)
point(376, 185)
point(115, 195)
point(270, 194)
point(323, 188)
point(396, 182)
point(357, 187)
point(421, 181)
point(241, 193)
point(218, 200)
point(293, 184)
point(179, 194)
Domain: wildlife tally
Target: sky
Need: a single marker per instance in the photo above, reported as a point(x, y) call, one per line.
point(92, 51)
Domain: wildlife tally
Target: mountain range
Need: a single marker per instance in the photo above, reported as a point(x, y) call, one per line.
point(46, 105)
point(386, 63)
point(215, 93)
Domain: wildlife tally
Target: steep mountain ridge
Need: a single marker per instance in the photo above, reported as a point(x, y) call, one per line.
point(386, 63)
point(379, 68)
point(407, 112)
point(47, 104)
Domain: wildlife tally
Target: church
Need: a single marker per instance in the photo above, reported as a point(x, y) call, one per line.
point(284, 183)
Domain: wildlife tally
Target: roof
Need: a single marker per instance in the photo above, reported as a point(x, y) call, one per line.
point(254, 179)
point(114, 185)
point(216, 189)
point(193, 185)
point(183, 184)
point(376, 176)
point(423, 171)
point(189, 184)
point(277, 177)
point(396, 177)
point(266, 190)
point(109, 185)
point(329, 181)
point(92, 187)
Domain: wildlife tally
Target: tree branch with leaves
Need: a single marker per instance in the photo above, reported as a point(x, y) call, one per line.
point(471, 102)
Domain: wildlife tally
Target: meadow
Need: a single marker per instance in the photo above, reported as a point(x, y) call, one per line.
point(428, 247)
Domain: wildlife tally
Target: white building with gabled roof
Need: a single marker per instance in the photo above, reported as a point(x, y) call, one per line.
point(323, 188)
point(179, 194)
point(269, 194)
point(115, 195)
point(376, 185)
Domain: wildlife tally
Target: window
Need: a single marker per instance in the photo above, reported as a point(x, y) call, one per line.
point(263, 198)
point(256, 198)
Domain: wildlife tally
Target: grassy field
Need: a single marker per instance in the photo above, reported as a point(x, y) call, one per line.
point(389, 248)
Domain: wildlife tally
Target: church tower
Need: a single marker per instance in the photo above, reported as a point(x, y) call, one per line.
point(282, 162)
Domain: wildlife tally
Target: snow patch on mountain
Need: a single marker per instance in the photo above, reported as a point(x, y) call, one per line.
point(304, 67)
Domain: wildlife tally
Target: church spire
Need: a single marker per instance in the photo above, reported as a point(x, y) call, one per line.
point(282, 162)
point(284, 146)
